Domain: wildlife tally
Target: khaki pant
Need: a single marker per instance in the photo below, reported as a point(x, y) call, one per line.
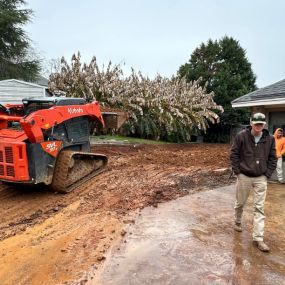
point(279, 169)
point(243, 187)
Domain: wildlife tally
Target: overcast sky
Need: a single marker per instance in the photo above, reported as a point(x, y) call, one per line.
point(158, 36)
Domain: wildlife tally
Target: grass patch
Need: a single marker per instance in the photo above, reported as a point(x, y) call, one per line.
point(126, 139)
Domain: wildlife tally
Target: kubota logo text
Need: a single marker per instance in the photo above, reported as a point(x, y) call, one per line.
point(75, 110)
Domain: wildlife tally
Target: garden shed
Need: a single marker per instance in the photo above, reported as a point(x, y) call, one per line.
point(12, 91)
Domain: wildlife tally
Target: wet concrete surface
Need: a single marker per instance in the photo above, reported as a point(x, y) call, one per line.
point(191, 241)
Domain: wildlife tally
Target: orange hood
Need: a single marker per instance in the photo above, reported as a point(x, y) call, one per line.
point(276, 131)
point(279, 144)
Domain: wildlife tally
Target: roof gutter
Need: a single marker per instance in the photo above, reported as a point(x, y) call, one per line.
point(258, 103)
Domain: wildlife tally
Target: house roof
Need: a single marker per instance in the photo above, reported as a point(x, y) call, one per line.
point(41, 81)
point(3, 82)
point(273, 94)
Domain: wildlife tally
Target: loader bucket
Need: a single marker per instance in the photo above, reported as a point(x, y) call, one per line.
point(114, 120)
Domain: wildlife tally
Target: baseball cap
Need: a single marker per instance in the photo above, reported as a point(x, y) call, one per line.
point(258, 118)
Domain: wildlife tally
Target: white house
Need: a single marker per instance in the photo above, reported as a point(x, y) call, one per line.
point(12, 91)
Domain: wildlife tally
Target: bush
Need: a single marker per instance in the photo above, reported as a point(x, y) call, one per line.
point(162, 108)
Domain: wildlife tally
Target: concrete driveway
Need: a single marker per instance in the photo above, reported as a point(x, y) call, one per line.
point(191, 241)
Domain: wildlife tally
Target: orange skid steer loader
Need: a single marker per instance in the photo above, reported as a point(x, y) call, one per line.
point(46, 140)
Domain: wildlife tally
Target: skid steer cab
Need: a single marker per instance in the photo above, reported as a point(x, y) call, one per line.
point(46, 140)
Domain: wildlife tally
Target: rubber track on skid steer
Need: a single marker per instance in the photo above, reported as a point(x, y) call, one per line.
point(61, 172)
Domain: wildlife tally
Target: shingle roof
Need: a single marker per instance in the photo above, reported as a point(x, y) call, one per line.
point(17, 81)
point(273, 92)
point(41, 81)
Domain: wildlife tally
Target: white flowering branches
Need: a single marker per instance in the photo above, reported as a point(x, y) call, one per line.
point(161, 108)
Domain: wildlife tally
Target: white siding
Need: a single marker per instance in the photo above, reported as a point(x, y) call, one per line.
point(13, 91)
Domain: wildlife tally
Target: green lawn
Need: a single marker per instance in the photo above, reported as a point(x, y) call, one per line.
point(126, 139)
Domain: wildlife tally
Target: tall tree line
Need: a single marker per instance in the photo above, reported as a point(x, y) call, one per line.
point(17, 59)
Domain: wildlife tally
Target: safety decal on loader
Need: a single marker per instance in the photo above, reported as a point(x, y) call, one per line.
point(51, 147)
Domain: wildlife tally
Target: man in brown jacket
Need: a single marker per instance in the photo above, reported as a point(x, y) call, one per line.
point(253, 159)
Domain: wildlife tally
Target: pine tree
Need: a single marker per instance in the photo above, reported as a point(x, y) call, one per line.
point(226, 71)
point(16, 57)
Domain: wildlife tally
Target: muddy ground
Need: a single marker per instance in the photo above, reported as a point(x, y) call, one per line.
point(50, 238)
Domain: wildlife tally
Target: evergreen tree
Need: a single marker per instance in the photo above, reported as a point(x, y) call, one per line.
point(16, 57)
point(224, 69)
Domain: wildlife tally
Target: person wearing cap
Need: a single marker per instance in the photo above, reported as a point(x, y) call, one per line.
point(280, 151)
point(253, 159)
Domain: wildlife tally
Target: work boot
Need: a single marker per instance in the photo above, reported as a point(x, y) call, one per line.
point(238, 227)
point(261, 246)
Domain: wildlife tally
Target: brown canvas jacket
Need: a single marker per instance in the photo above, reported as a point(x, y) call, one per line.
point(253, 159)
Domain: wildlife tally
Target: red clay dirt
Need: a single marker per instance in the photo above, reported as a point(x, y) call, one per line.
point(49, 238)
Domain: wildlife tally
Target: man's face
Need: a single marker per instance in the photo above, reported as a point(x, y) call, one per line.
point(279, 134)
point(257, 128)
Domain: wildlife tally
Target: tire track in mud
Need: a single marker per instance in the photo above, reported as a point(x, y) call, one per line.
point(25, 206)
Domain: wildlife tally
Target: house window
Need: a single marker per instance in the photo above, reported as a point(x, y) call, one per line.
point(276, 120)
